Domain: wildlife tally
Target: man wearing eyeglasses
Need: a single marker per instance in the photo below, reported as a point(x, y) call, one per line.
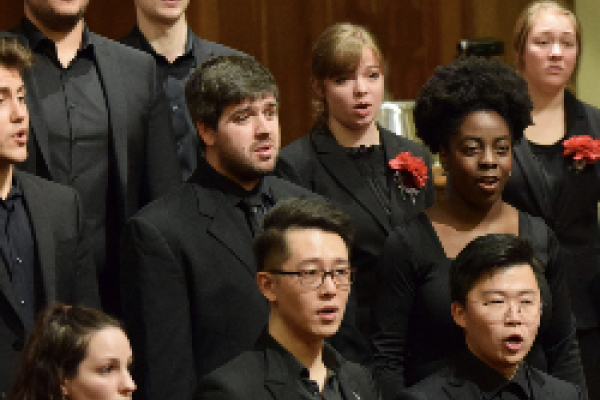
point(496, 300)
point(304, 273)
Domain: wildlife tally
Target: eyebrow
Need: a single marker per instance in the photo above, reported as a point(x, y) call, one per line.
point(504, 293)
point(320, 260)
point(6, 89)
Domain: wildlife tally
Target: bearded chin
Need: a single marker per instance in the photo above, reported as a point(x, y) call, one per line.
point(63, 23)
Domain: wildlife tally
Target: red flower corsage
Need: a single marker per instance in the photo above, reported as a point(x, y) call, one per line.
point(583, 149)
point(410, 173)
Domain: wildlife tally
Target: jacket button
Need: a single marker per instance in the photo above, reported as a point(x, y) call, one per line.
point(18, 345)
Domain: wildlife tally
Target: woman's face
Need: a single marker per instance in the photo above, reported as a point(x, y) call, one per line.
point(353, 100)
point(478, 159)
point(550, 53)
point(104, 372)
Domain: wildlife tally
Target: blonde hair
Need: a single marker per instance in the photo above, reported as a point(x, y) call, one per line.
point(337, 51)
point(527, 19)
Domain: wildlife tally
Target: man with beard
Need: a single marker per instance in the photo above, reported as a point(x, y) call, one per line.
point(99, 123)
point(189, 295)
point(163, 32)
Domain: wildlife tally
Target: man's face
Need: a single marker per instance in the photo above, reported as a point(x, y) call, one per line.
point(162, 11)
point(56, 15)
point(300, 312)
point(245, 145)
point(14, 118)
point(501, 317)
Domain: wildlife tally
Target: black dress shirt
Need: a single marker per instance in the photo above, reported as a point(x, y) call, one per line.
point(490, 383)
point(306, 386)
point(75, 109)
point(173, 75)
point(18, 251)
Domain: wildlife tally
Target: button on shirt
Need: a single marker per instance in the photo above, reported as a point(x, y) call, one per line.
point(76, 114)
point(18, 251)
point(174, 75)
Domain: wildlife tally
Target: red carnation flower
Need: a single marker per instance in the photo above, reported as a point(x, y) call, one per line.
point(583, 149)
point(410, 173)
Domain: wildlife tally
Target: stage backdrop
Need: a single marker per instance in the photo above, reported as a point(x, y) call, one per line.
point(415, 35)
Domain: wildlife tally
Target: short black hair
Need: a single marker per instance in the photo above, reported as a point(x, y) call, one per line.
point(270, 247)
point(486, 255)
point(224, 81)
point(466, 85)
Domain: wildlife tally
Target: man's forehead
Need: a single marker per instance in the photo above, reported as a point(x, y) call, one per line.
point(10, 76)
point(260, 101)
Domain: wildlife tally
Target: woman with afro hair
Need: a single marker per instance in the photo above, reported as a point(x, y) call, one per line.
point(470, 112)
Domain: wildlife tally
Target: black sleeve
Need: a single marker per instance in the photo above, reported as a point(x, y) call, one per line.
point(558, 340)
point(396, 284)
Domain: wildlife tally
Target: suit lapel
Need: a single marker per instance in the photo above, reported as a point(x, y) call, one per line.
point(228, 231)
point(37, 124)
point(43, 235)
point(532, 173)
point(114, 87)
point(336, 162)
point(348, 386)
point(277, 380)
point(392, 149)
point(200, 51)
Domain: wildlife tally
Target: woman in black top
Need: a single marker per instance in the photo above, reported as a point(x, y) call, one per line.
point(345, 156)
point(549, 184)
point(471, 112)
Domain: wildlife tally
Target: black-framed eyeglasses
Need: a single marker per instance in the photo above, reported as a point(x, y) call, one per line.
point(314, 278)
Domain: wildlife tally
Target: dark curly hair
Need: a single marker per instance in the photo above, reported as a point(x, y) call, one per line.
point(466, 85)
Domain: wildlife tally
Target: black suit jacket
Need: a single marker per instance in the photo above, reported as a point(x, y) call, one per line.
point(190, 298)
point(317, 162)
point(569, 206)
point(64, 265)
point(141, 150)
point(262, 373)
point(202, 50)
point(448, 384)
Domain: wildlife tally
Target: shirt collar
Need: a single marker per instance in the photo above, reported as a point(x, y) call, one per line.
point(488, 380)
point(147, 47)
point(231, 190)
point(331, 359)
point(35, 37)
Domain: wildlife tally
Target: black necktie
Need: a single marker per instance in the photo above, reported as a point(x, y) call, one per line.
point(255, 209)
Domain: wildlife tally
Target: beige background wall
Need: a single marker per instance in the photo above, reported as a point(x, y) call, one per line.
point(588, 80)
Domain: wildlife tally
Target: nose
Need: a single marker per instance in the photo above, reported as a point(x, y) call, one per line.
point(359, 86)
point(488, 158)
point(18, 111)
point(327, 283)
point(556, 49)
point(513, 315)
point(128, 385)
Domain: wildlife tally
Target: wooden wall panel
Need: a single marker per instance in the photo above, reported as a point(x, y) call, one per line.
point(415, 35)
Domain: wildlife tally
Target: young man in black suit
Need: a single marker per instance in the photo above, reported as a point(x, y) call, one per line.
point(163, 32)
point(305, 274)
point(190, 300)
point(99, 123)
point(43, 254)
point(496, 301)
